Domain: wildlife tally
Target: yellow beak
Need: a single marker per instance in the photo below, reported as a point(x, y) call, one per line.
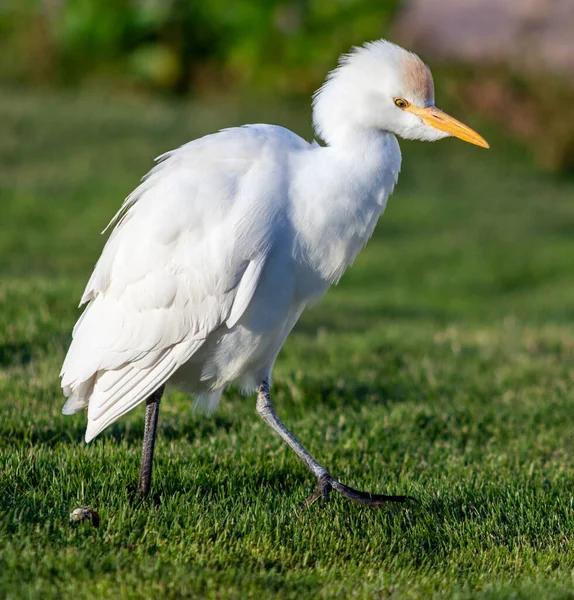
point(434, 117)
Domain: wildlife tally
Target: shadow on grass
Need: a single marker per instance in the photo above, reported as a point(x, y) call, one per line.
point(51, 435)
point(22, 352)
point(354, 398)
point(15, 353)
point(222, 482)
point(189, 430)
point(126, 432)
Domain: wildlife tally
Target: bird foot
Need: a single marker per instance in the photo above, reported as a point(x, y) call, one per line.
point(327, 484)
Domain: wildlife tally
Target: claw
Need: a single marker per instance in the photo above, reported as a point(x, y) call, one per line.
point(312, 498)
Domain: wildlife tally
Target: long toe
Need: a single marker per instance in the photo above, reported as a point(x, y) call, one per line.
point(366, 497)
point(327, 483)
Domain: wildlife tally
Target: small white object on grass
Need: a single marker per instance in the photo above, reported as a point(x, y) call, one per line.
point(216, 254)
point(82, 514)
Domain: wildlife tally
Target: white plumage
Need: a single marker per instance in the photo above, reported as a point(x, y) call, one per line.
point(214, 256)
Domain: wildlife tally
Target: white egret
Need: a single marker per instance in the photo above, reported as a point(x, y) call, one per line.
point(216, 254)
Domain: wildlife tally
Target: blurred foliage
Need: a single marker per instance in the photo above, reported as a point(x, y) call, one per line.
point(281, 46)
point(181, 45)
point(536, 108)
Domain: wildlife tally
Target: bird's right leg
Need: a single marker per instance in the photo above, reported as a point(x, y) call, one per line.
point(150, 434)
point(326, 483)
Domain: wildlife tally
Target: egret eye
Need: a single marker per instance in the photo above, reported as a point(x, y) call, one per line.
point(401, 103)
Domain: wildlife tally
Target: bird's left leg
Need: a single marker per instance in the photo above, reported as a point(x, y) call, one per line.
point(150, 434)
point(326, 483)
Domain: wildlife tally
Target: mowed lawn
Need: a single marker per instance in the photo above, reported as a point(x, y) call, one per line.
point(440, 367)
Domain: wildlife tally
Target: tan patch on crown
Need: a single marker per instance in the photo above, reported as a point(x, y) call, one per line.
point(417, 79)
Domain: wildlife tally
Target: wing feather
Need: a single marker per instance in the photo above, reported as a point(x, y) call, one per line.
point(245, 290)
point(182, 261)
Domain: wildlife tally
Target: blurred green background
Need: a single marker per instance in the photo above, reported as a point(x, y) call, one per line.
point(440, 366)
point(508, 61)
point(181, 45)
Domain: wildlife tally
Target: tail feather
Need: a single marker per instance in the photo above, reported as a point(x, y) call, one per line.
point(78, 397)
point(117, 391)
point(148, 382)
point(207, 402)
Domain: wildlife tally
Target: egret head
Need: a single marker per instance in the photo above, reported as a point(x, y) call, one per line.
point(380, 86)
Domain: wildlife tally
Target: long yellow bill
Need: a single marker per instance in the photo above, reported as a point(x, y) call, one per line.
point(438, 119)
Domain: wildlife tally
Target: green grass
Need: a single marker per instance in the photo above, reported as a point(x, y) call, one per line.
point(440, 367)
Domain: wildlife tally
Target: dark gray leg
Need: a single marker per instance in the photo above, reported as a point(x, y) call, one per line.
point(326, 483)
point(150, 433)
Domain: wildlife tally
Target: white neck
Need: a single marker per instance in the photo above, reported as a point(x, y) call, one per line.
point(335, 117)
point(346, 186)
